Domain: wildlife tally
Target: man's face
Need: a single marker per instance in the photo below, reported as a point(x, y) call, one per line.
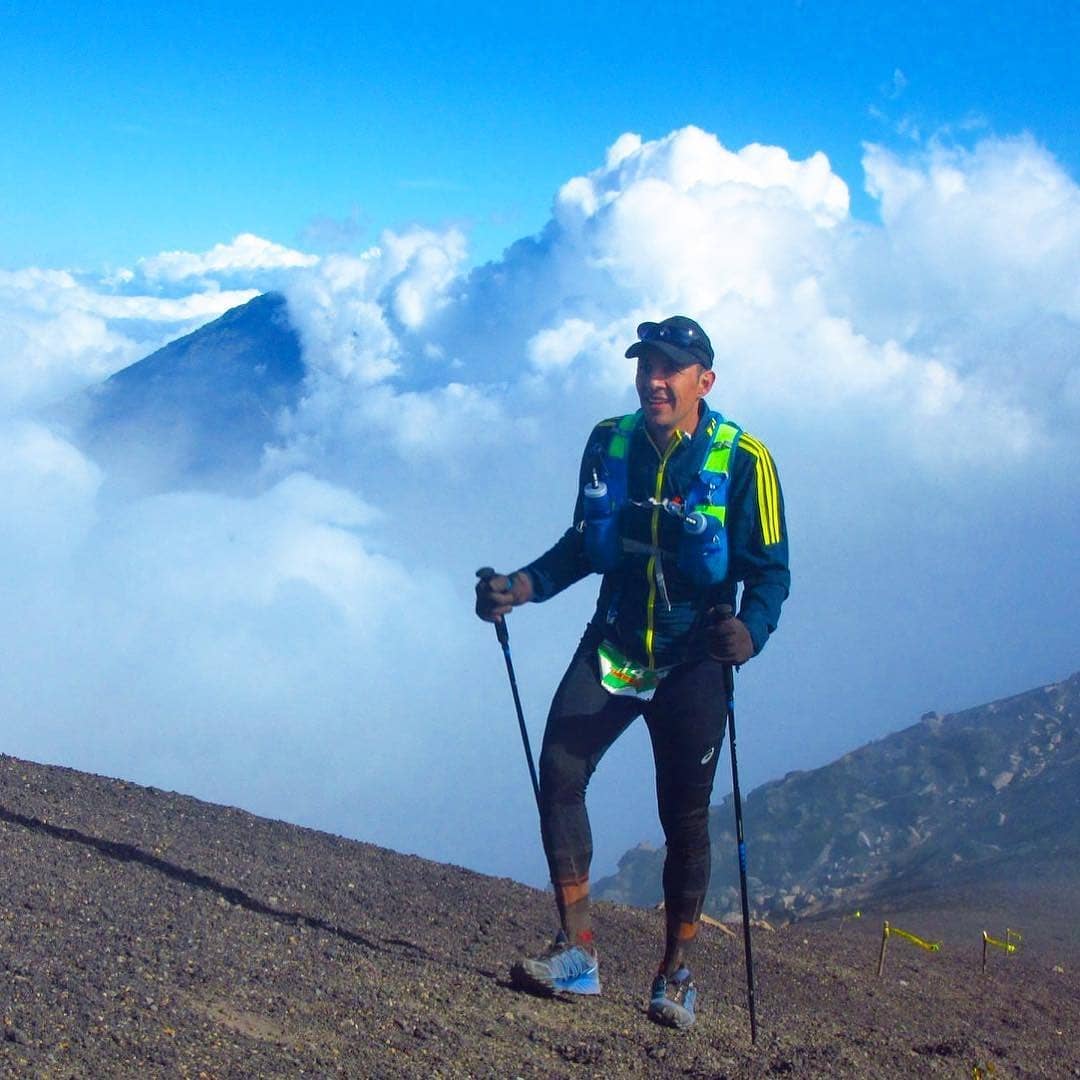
point(669, 395)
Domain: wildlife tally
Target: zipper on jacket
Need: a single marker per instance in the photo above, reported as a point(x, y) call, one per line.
point(651, 567)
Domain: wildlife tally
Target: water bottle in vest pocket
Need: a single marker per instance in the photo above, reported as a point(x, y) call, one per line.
point(703, 551)
point(703, 548)
point(601, 527)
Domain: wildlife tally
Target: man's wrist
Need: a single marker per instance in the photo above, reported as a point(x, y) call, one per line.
point(521, 585)
point(759, 634)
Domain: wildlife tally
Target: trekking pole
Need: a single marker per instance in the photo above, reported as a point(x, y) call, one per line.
point(503, 634)
point(725, 612)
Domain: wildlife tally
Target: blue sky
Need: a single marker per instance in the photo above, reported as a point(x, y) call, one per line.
point(143, 127)
point(469, 210)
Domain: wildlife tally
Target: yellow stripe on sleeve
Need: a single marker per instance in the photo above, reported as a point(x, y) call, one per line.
point(768, 489)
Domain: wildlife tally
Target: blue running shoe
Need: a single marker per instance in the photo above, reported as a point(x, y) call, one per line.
point(563, 968)
point(673, 998)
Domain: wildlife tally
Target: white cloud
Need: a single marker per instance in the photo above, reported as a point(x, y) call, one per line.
point(361, 320)
point(420, 265)
point(195, 308)
point(997, 226)
point(244, 254)
point(889, 325)
point(49, 291)
point(691, 162)
point(557, 346)
point(234, 647)
point(976, 265)
point(241, 553)
point(49, 496)
point(344, 308)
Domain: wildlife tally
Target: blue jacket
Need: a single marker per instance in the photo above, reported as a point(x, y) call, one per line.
point(631, 611)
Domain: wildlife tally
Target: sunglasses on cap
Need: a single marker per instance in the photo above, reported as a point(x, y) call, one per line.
point(685, 337)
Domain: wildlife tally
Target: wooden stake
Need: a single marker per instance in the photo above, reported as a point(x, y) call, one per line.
point(708, 920)
point(884, 942)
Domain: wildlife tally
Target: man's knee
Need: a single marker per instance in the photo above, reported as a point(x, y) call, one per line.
point(563, 777)
point(685, 818)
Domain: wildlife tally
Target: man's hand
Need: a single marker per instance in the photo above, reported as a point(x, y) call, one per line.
point(497, 594)
point(730, 641)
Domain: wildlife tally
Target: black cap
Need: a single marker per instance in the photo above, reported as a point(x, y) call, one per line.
point(679, 338)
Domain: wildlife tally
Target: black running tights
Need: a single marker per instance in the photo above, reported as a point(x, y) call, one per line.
point(686, 725)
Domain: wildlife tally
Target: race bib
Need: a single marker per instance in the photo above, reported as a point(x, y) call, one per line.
point(621, 675)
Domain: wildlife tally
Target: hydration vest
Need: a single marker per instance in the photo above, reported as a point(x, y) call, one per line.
point(702, 552)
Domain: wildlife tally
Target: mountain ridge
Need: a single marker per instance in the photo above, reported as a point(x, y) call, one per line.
point(994, 788)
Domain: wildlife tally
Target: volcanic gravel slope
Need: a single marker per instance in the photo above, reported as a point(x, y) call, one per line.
point(144, 933)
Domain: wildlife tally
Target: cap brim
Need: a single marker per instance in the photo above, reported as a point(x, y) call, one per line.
point(680, 357)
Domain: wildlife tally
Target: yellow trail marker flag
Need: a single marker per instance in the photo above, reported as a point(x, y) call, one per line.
point(1006, 946)
point(887, 930)
point(929, 946)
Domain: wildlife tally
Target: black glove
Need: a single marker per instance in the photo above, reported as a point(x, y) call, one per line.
point(496, 594)
point(729, 640)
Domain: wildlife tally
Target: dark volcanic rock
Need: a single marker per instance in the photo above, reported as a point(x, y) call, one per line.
point(985, 795)
point(146, 934)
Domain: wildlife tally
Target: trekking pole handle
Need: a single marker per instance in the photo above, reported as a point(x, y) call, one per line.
point(501, 632)
point(723, 613)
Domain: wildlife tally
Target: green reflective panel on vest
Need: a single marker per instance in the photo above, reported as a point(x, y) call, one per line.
point(620, 440)
point(719, 456)
point(717, 461)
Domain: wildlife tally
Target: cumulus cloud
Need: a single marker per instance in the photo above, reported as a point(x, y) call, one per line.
point(996, 228)
point(244, 254)
point(910, 321)
point(50, 491)
point(557, 346)
point(362, 321)
point(306, 647)
point(975, 268)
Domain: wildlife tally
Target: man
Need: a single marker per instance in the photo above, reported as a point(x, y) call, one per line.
point(675, 507)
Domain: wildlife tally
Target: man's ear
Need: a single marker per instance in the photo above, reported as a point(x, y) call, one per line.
point(708, 377)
